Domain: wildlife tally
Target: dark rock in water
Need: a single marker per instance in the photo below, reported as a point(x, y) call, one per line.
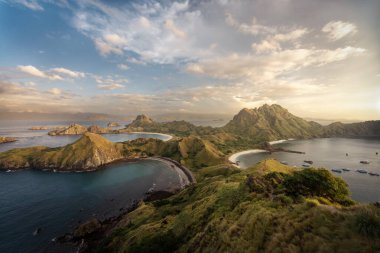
point(37, 231)
point(87, 228)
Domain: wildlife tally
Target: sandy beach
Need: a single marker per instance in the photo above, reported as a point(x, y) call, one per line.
point(233, 158)
point(167, 135)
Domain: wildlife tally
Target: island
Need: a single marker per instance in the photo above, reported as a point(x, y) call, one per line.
point(7, 139)
point(113, 124)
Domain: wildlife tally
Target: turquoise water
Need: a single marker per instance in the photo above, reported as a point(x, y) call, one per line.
point(331, 153)
point(57, 202)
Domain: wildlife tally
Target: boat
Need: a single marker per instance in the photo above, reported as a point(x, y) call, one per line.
point(345, 169)
point(8, 171)
point(336, 170)
point(362, 171)
point(308, 161)
point(364, 162)
point(306, 165)
point(284, 162)
point(373, 174)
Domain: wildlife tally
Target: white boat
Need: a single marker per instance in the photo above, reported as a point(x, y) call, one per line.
point(365, 162)
point(305, 165)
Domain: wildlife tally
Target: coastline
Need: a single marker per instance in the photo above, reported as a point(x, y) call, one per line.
point(167, 135)
point(233, 157)
point(91, 238)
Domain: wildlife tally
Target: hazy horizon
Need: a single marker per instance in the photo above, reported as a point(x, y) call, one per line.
point(318, 59)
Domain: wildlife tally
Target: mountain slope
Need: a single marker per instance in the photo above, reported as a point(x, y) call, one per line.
point(90, 151)
point(361, 129)
point(272, 122)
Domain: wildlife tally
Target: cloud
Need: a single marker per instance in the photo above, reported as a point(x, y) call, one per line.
point(113, 86)
point(110, 83)
point(55, 91)
point(156, 32)
point(337, 30)
point(266, 67)
point(18, 97)
point(123, 66)
point(33, 71)
point(68, 72)
point(169, 24)
point(31, 4)
point(254, 28)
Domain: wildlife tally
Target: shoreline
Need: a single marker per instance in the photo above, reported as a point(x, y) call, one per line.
point(233, 157)
point(167, 135)
point(87, 241)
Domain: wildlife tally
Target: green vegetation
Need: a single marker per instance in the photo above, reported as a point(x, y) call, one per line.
point(250, 211)
point(88, 152)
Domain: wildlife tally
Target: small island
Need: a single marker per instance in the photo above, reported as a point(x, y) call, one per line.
point(113, 124)
point(7, 139)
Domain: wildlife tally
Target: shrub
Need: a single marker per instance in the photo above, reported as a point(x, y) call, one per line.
point(317, 182)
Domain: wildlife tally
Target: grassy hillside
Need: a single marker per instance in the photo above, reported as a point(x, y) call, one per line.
point(271, 122)
point(90, 151)
point(268, 208)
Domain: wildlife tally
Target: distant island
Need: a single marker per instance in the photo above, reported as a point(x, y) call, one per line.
point(7, 139)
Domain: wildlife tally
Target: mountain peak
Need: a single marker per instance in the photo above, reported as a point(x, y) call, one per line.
point(271, 122)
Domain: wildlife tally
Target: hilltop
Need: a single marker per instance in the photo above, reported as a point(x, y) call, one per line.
point(76, 129)
point(89, 152)
point(268, 208)
point(272, 122)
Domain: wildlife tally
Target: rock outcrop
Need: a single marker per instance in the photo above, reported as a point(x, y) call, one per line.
point(113, 124)
point(7, 139)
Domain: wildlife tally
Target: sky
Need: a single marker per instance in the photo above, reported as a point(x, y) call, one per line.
point(317, 58)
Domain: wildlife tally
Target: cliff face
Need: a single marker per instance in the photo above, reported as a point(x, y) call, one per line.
point(88, 152)
point(272, 122)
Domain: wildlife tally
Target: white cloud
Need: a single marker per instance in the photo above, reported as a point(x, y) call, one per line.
point(33, 71)
point(254, 28)
point(154, 31)
point(31, 4)
point(337, 30)
point(266, 46)
point(169, 24)
point(269, 66)
point(112, 86)
point(55, 91)
point(68, 72)
point(123, 66)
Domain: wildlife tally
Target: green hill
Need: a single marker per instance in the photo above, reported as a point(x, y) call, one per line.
point(89, 152)
point(271, 122)
point(268, 208)
point(363, 129)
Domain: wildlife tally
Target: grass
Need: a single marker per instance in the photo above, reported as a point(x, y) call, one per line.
point(222, 213)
